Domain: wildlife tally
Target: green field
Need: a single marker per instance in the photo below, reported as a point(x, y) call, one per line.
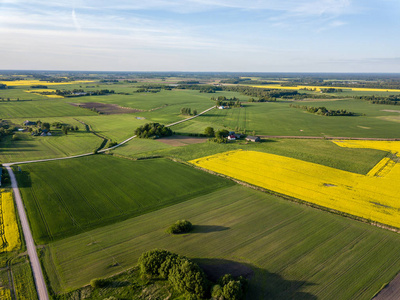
point(66, 197)
point(115, 127)
point(40, 109)
point(23, 280)
point(40, 147)
point(279, 119)
point(295, 251)
point(317, 151)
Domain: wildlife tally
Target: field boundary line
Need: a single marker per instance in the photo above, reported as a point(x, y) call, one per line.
point(325, 138)
point(299, 201)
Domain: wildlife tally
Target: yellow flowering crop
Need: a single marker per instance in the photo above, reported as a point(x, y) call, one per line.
point(9, 232)
point(389, 146)
point(318, 88)
point(5, 294)
point(371, 197)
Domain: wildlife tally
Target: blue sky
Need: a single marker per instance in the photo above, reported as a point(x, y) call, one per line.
point(201, 35)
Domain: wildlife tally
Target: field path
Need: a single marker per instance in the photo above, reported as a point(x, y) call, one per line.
point(30, 245)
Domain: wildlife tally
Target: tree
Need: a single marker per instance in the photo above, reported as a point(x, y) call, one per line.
point(45, 125)
point(64, 129)
point(209, 131)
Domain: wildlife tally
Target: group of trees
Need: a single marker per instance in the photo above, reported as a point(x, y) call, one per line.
point(331, 90)
point(188, 278)
point(152, 130)
point(6, 128)
point(188, 111)
point(183, 274)
point(323, 111)
point(80, 92)
point(391, 100)
point(229, 288)
point(219, 136)
point(3, 86)
point(180, 226)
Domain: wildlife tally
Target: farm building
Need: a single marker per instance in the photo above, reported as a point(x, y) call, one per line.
point(29, 123)
point(231, 137)
point(223, 107)
point(251, 138)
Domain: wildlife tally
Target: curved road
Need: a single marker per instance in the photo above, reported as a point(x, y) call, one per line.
point(30, 244)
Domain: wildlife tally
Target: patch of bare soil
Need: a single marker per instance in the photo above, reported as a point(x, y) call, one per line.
point(215, 268)
point(391, 110)
point(391, 291)
point(106, 108)
point(181, 140)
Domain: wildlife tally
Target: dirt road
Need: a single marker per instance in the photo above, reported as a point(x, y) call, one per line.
point(30, 245)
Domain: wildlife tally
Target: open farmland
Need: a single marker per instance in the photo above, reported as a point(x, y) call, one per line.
point(318, 88)
point(373, 196)
point(294, 251)
point(29, 147)
point(40, 109)
point(94, 191)
point(321, 152)
point(277, 118)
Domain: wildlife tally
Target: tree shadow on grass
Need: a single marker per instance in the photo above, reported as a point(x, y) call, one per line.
point(23, 177)
point(208, 228)
point(262, 284)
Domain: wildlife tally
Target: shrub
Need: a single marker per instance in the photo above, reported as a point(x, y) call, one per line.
point(181, 226)
point(98, 282)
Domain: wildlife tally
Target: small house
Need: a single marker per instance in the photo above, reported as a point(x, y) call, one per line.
point(231, 137)
point(251, 138)
point(29, 123)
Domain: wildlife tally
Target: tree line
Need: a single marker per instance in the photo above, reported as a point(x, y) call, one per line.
point(391, 100)
point(323, 111)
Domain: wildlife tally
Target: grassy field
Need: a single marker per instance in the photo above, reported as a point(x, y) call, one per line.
point(295, 251)
point(40, 147)
point(23, 280)
point(280, 119)
point(316, 151)
point(63, 198)
point(40, 109)
point(115, 127)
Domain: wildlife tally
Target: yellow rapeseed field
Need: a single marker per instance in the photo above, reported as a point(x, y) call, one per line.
point(389, 146)
point(10, 237)
point(39, 91)
point(5, 294)
point(38, 82)
point(318, 88)
point(374, 197)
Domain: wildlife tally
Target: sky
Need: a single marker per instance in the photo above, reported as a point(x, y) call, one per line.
point(201, 35)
